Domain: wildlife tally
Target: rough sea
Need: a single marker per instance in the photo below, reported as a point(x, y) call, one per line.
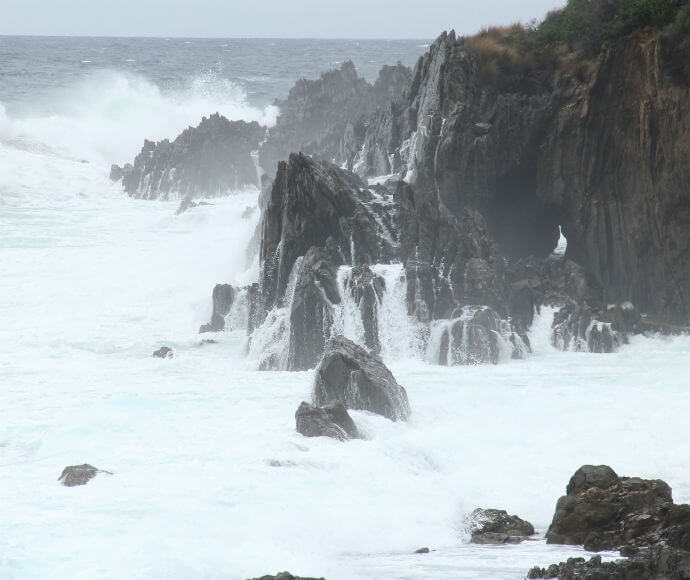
point(210, 479)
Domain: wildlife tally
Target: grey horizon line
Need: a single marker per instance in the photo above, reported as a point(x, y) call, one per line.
point(176, 37)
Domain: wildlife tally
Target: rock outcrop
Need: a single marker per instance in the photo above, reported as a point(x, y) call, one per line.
point(208, 160)
point(223, 298)
point(325, 117)
point(608, 159)
point(603, 511)
point(350, 375)
point(74, 475)
point(491, 526)
point(331, 420)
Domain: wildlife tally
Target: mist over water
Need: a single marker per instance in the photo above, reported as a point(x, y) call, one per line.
point(210, 478)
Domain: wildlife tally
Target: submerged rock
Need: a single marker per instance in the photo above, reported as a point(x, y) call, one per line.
point(74, 475)
point(163, 352)
point(332, 420)
point(491, 526)
point(350, 375)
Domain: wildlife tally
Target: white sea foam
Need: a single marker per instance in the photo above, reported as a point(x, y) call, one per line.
point(106, 117)
point(210, 478)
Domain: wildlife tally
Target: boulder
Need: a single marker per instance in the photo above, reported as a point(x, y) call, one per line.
point(603, 511)
point(332, 420)
point(350, 375)
point(492, 526)
point(211, 159)
point(163, 352)
point(74, 475)
point(223, 298)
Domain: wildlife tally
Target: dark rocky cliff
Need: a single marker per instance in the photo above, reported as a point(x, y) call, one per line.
point(608, 159)
point(326, 117)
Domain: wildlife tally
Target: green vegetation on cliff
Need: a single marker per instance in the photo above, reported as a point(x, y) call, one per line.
point(568, 40)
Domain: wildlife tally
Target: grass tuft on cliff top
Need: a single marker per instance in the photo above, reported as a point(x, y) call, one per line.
point(568, 40)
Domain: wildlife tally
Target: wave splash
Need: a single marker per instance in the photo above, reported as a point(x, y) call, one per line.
point(105, 118)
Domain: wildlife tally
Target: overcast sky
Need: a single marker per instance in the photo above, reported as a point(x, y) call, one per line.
point(263, 18)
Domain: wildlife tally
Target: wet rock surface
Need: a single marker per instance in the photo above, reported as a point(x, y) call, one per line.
point(74, 475)
point(492, 526)
point(331, 420)
point(350, 375)
point(603, 511)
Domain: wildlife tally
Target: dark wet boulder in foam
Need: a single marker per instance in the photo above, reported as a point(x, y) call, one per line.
point(331, 420)
point(350, 375)
point(312, 309)
point(163, 352)
point(603, 511)
point(74, 475)
point(223, 298)
point(211, 159)
point(492, 526)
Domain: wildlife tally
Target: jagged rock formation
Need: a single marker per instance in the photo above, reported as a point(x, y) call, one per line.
point(608, 159)
point(331, 420)
point(74, 475)
point(208, 160)
point(491, 526)
point(324, 117)
point(351, 376)
point(318, 219)
point(603, 511)
point(485, 173)
point(223, 298)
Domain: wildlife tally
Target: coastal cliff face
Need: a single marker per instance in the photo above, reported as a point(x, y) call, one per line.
point(607, 159)
point(616, 163)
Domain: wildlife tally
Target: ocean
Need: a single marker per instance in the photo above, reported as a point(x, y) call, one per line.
point(209, 479)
